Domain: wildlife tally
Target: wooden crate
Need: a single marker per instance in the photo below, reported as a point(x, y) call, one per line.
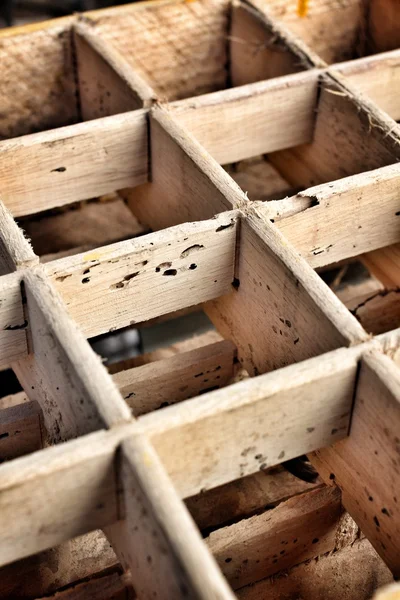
point(298, 100)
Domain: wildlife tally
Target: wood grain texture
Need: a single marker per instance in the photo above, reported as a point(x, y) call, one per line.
point(29, 485)
point(69, 563)
point(38, 89)
point(378, 77)
point(261, 48)
point(301, 528)
point(186, 184)
point(353, 573)
point(122, 284)
point(245, 497)
point(253, 119)
point(20, 430)
point(343, 219)
point(236, 431)
point(270, 325)
point(365, 466)
point(173, 561)
point(63, 374)
point(107, 85)
point(15, 250)
point(330, 28)
point(58, 167)
point(179, 48)
point(178, 378)
point(369, 138)
point(13, 342)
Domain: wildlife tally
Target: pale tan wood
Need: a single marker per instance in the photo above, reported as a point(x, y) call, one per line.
point(33, 484)
point(260, 48)
point(350, 574)
point(13, 343)
point(378, 77)
point(270, 325)
point(163, 381)
point(186, 184)
point(81, 228)
point(15, 251)
point(107, 84)
point(58, 167)
point(179, 48)
point(379, 312)
point(245, 496)
point(369, 139)
point(173, 561)
point(330, 28)
point(63, 374)
point(343, 219)
point(174, 379)
point(384, 264)
point(236, 431)
point(38, 89)
point(365, 466)
point(253, 119)
point(192, 343)
point(301, 528)
point(20, 430)
point(149, 276)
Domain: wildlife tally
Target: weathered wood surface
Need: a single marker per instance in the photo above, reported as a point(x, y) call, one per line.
point(78, 162)
point(174, 379)
point(107, 85)
point(149, 276)
point(365, 466)
point(236, 431)
point(253, 119)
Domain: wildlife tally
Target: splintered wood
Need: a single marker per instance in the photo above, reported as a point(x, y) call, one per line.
point(212, 154)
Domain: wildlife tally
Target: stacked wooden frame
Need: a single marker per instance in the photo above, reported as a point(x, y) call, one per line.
point(148, 83)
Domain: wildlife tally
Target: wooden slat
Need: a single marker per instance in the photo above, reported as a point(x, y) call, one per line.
point(365, 466)
point(236, 431)
point(13, 343)
point(174, 379)
point(107, 84)
point(157, 540)
point(281, 311)
point(63, 374)
point(31, 485)
point(253, 119)
point(384, 264)
point(245, 496)
point(15, 251)
point(378, 77)
point(146, 388)
point(186, 184)
point(350, 574)
point(44, 573)
point(133, 281)
point(261, 48)
point(301, 528)
point(368, 138)
point(44, 170)
point(343, 219)
point(20, 430)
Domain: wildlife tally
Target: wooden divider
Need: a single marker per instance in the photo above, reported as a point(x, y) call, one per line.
point(329, 380)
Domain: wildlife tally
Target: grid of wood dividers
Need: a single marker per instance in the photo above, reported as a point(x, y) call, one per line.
point(226, 155)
